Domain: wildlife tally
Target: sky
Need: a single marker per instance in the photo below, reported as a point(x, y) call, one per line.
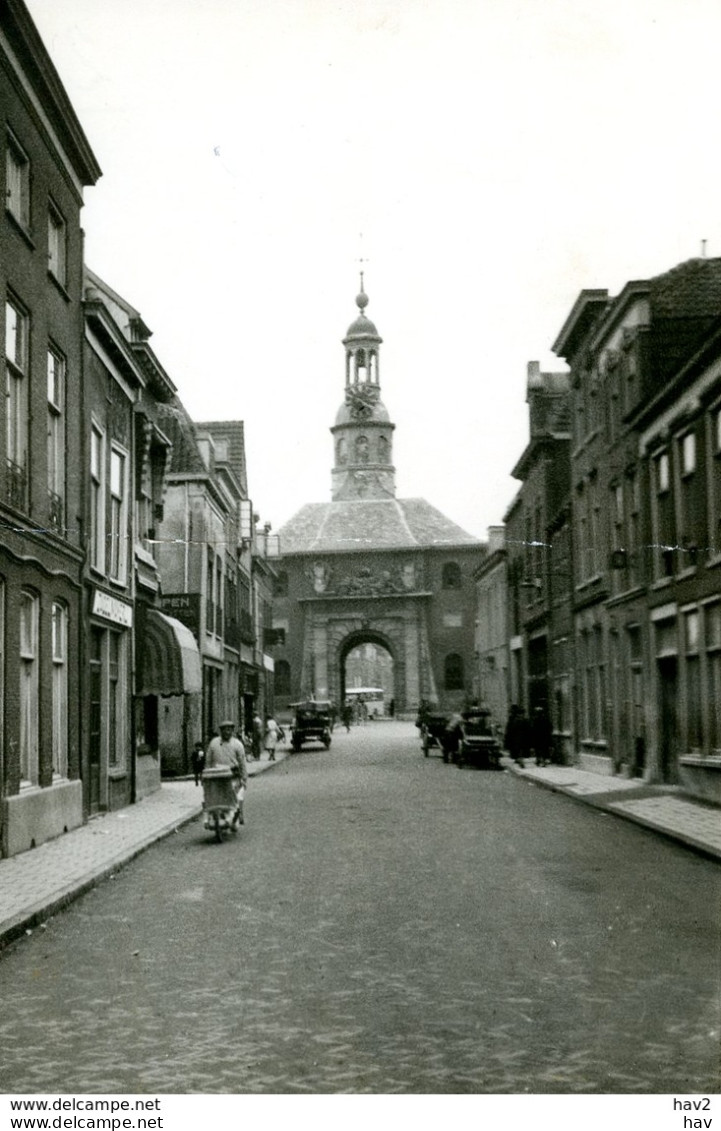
point(481, 160)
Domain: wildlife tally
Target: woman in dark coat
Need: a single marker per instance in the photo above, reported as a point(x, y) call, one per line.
point(541, 736)
point(517, 739)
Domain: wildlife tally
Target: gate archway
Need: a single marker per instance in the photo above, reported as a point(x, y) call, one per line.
point(367, 673)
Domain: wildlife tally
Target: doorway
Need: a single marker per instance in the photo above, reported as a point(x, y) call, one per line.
point(668, 718)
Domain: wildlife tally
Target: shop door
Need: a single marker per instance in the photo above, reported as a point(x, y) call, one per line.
point(668, 718)
point(96, 718)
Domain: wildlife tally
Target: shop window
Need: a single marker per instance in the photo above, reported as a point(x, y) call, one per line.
point(693, 681)
point(60, 689)
point(713, 669)
point(29, 708)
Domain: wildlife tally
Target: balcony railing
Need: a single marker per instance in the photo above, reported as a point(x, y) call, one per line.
point(16, 487)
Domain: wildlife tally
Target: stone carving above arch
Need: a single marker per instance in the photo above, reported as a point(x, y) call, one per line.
point(366, 581)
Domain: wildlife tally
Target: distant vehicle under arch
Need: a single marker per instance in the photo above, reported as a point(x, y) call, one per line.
point(373, 697)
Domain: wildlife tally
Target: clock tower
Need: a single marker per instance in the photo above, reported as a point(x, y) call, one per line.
point(362, 433)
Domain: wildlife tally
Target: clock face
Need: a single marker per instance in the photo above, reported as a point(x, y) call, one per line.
point(360, 401)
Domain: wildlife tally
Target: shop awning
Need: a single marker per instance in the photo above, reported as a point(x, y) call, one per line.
point(171, 661)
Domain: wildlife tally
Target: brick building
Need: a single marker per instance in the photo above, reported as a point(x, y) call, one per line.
point(46, 164)
point(142, 669)
point(492, 681)
point(534, 565)
point(645, 484)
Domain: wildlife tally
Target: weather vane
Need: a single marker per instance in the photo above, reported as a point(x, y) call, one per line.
point(362, 260)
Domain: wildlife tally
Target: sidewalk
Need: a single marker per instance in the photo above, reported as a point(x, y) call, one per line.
point(36, 884)
point(665, 809)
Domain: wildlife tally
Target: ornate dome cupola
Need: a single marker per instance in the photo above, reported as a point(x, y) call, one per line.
point(362, 433)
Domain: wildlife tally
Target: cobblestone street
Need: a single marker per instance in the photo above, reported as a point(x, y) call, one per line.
point(383, 924)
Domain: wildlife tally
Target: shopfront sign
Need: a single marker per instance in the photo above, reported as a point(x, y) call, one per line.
point(112, 609)
point(185, 607)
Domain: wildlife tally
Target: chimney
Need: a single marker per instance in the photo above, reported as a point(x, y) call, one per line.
point(496, 538)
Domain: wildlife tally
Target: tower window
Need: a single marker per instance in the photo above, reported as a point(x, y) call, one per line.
point(451, 578)
point(453, 672)
point(361, 449)
point(342, 451)
point(383, 449)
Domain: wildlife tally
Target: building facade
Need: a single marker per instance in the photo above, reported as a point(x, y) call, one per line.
point(216, 575)
point(644, 485)
point(142, 670)
point(370, 568)
point(491, 652)
point(536, 567)
point(46, 165)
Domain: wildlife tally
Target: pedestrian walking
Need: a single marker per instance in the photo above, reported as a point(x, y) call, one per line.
point(197, 761)
point(257, 734)
point(347, 716)
point(517, 738)
point(541, 736)
point(227, 750)
point(392, 708)
point(451, 739)
point(271, 738)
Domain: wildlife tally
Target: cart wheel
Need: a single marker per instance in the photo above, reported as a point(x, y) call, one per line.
point(216, 826)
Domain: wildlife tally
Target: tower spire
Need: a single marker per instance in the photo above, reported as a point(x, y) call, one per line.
point(363, 432)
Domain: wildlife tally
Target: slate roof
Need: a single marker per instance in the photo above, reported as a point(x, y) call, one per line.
point(180, 430)
point(232, 432)
point(370, 524)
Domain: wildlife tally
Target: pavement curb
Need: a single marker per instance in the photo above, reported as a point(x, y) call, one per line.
point(607, 807)
point(33, 916)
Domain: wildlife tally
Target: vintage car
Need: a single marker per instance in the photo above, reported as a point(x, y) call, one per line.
point(476, 740)
point(311, 723)
point(433, 726)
